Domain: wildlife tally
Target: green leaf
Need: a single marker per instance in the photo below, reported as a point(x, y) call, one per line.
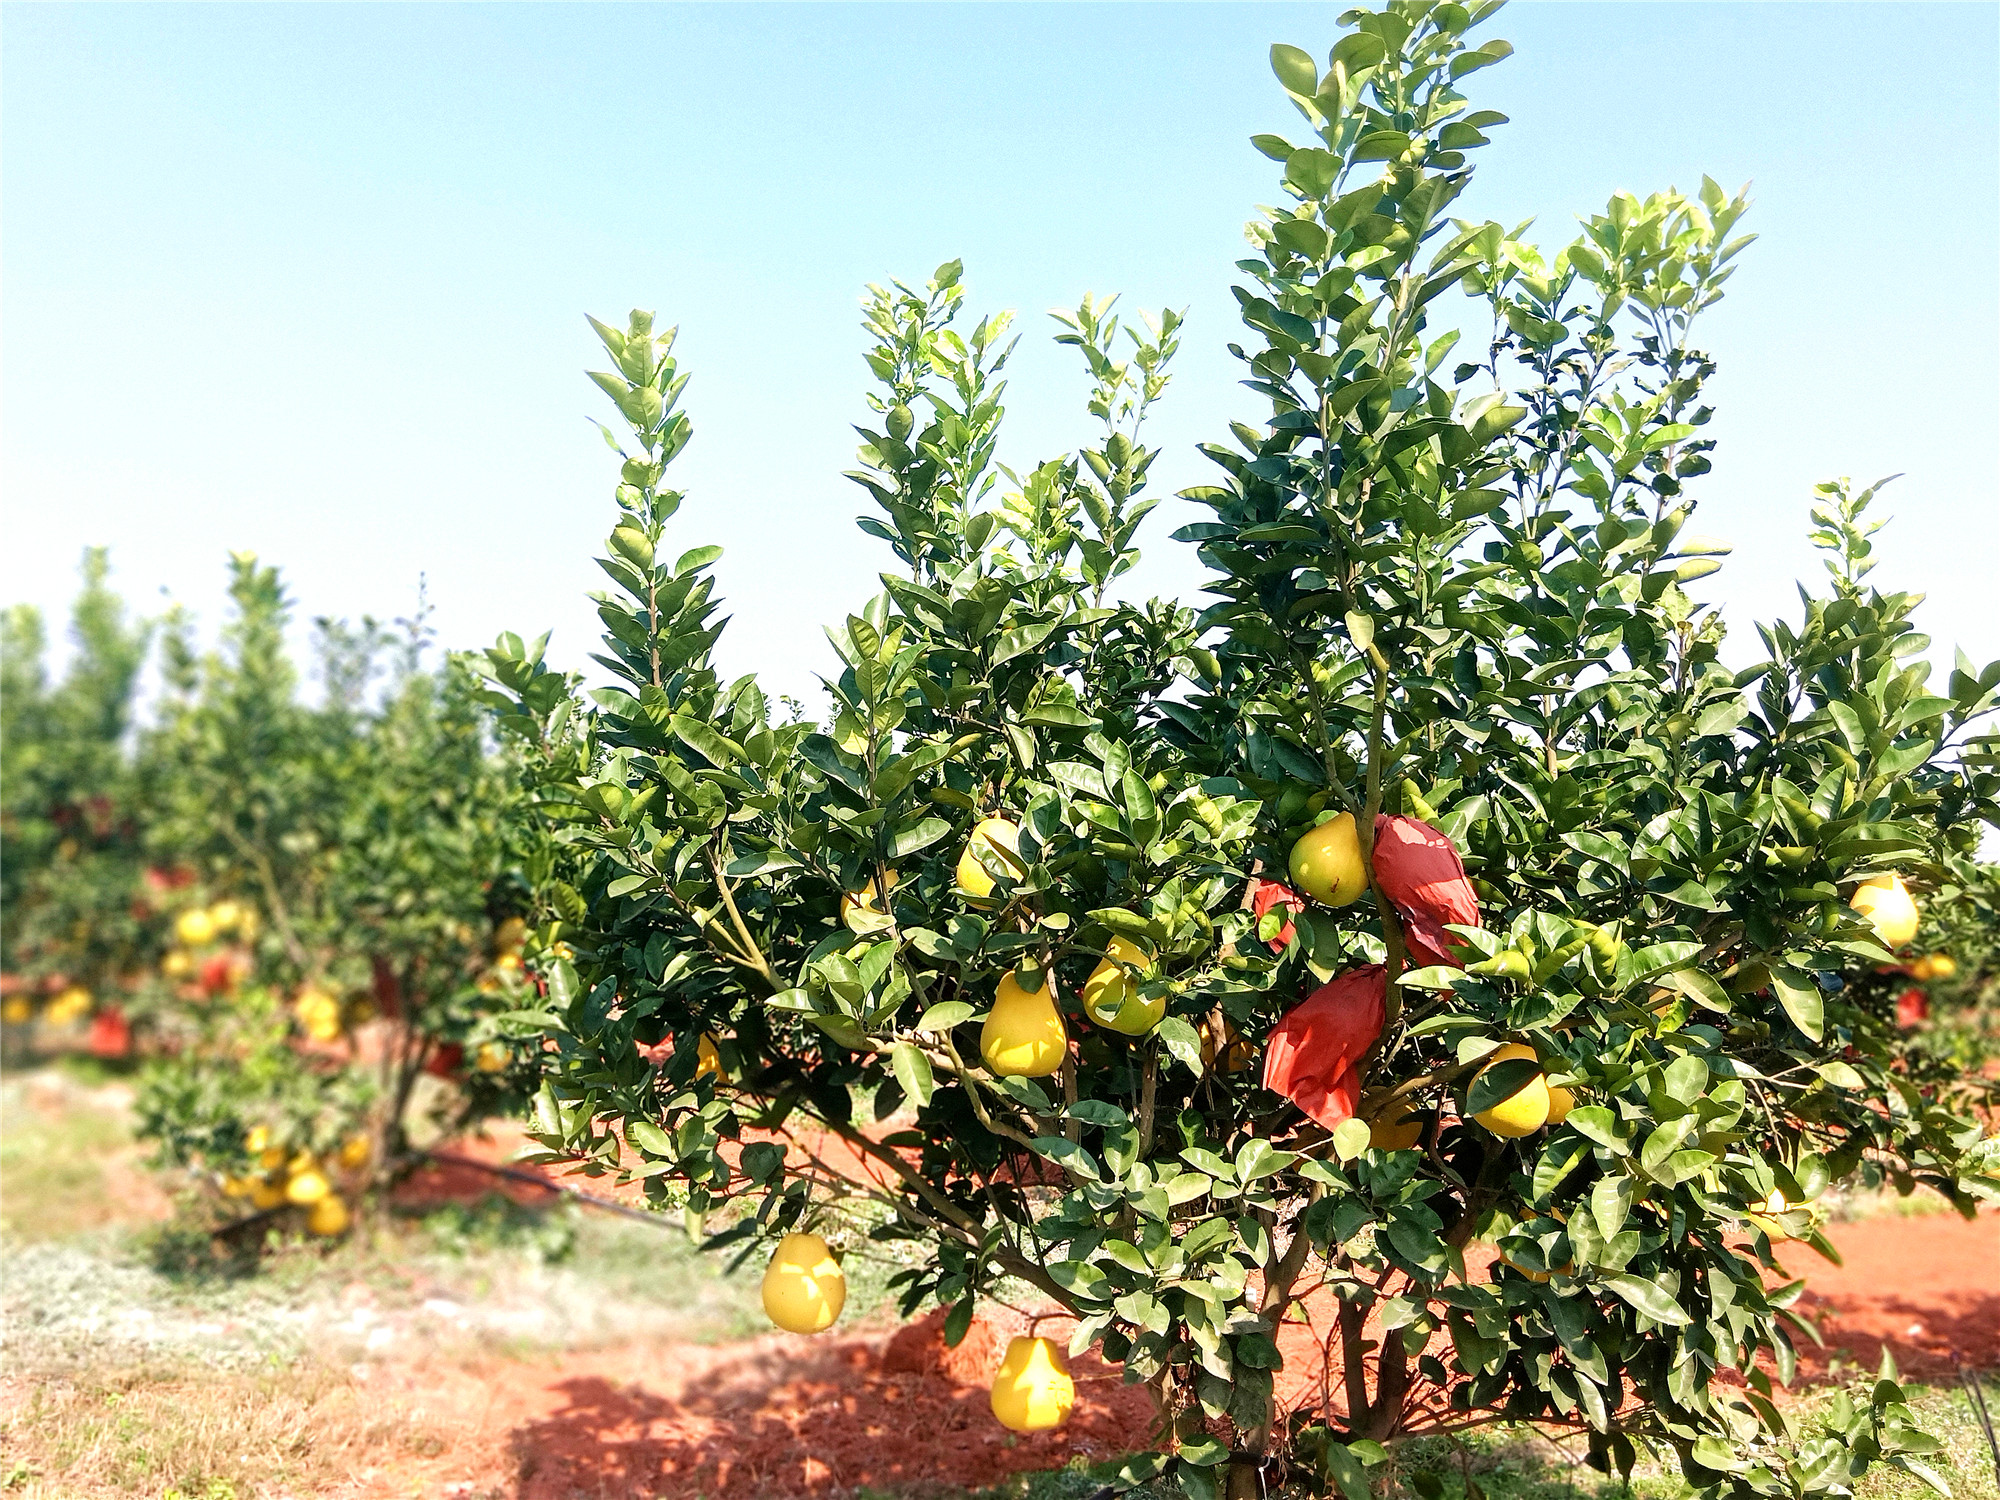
point(1126, 923)
point(1596, 1123)
point(1068, 1154)
point(1347, 1471)
point(944, 1015)
point(1657, 958)
point(1611, 1203)
point(1649, 1297)
point(710, 746)
point(1295, 70)
point(652, 1140)
point(1058, 716)
point(695, 558)
point(1802, 1000)
point(759, 862)
point(1181, 1040)
point(1698, 987)
point(1350, 1138)
point(1021, 639)
point(913, 1072)
point(915, 836)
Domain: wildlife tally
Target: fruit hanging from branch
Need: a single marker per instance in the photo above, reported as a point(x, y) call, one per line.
point(804, 1287)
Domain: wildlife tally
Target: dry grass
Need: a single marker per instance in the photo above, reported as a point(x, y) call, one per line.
point(302, 1429)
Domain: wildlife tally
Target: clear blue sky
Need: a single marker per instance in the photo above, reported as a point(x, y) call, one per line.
point(310, 280)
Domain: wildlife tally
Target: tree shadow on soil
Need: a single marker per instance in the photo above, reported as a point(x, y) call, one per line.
point(1930, 1339)
point(766, 1421)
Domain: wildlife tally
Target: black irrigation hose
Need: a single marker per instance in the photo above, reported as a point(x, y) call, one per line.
point(1976, 1398)
point(515, 1174)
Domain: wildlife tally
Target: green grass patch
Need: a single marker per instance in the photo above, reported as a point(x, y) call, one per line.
point(56, 1149)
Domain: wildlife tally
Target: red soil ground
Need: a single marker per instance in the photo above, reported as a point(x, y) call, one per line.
point(779, 1417)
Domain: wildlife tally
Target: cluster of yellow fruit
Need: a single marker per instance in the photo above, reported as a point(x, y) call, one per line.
point(297, 1179)
point(17, 1010)
point(1934, 966)
point(318, 1012)
point(1024, 1035)
point(73, 1004)
point(805, 1289)
point(199, 926)
point(509, 938)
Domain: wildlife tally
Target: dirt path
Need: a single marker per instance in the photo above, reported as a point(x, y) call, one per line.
point(1927, 1286)
point(783, 1417)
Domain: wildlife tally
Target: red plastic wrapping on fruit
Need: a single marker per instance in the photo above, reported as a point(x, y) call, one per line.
point(1268, 894)
point(1913, 1008)
point(110, 1033)
point(1314, 1054)
point(446, 1061)
point(1420, 872)
point(218, 975)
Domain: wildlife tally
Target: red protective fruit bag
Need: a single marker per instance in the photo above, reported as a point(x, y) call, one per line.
point(1419, 870)
point(446, 1061)
point(110, 1034)
point(218, 975)
point(1266, 894)
point(1314, 1053)
point(1913, 1008)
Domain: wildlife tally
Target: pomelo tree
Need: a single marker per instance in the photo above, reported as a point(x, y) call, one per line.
point(71, 908)
point(1160, 958)
point(303, 907)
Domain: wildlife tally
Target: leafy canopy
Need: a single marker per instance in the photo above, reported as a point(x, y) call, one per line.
point(1452, 590)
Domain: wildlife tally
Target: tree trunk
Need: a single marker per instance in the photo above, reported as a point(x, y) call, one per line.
point(1246, 1477)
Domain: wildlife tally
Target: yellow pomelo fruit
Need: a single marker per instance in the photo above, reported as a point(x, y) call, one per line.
point(1561, 1102)
point(1235, 1051)
point(1888, 906)
point(1399, 1135)
point(1111, 995)
point(510, 935)
point(707, 1061)
point(327, 1216)
point(492, 1057)
point(194, 928)
point(1032, 1391)
point(356, 1151)
point(804, 1286)
point(307, 1187)
point(1326, 862)
point(862, 911)
point(17, 1009)
point(177, 964)
point(224, 915)
point(999, 839)
point(1763, 1215)
point(1024, 1035)
point(266, 1194)
point(1524, 1111)
point(318, 1013)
